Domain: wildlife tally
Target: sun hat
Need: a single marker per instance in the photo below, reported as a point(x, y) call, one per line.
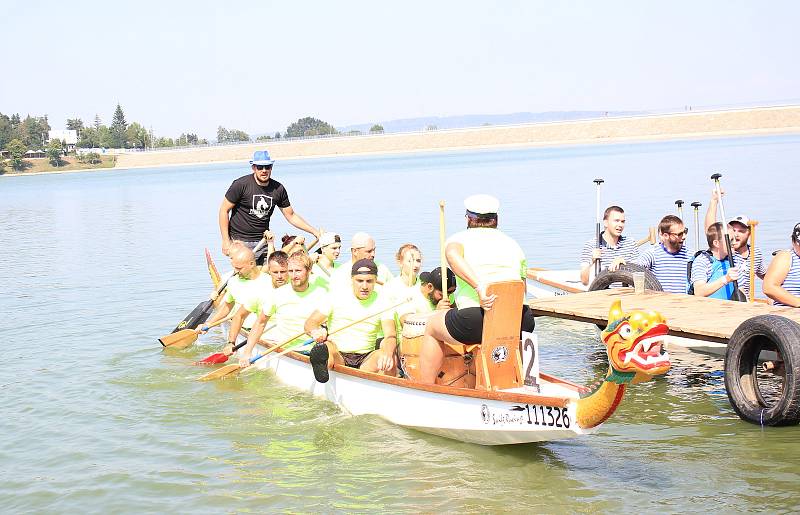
point(741, 219)
point(364, 266)
point(329, 238)
point(481, 205)
point(261, 157)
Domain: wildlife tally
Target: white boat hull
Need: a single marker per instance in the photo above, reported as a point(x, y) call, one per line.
point(473, 419)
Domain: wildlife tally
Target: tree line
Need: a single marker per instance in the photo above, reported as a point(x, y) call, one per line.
point(18, 135)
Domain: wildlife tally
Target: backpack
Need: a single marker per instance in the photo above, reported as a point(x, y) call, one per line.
point(689, 264)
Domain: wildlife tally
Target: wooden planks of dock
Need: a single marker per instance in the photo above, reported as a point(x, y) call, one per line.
point(687, 316)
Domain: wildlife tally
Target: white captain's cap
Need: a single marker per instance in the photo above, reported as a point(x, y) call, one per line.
point(482, 204)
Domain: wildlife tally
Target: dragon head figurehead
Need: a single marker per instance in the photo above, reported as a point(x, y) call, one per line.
point(635, 344)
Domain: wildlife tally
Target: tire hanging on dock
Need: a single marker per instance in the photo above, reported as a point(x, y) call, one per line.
point(743, 370)
point(624, 275)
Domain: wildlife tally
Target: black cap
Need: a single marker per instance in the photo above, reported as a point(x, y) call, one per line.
point(435, 277)
point(364, 266)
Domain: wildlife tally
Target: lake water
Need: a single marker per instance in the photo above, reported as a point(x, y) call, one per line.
point(95, 417)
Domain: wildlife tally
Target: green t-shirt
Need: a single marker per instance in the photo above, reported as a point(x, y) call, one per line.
point(249, 293)
point(342, 307)
point(289, 310)
point(493, 257)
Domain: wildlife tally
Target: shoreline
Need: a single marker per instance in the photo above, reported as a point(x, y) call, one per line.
point(681, 126)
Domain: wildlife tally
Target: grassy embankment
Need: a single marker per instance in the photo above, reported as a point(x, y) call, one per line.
point(69, 163)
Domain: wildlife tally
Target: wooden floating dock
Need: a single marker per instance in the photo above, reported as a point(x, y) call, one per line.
point(687, 316)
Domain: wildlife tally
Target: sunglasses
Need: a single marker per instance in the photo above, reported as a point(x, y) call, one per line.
point(679, 234)
point(263, 167)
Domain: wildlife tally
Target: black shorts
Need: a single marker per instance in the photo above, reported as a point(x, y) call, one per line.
point(466, 325)
point(354, 359)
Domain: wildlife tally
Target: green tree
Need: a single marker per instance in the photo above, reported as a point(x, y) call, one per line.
point(75, 124)
point(222, 134)
point(54, 149)
point(118, 127)
point(97, 122)
point(376, 129)
point(309, 126)
point(93, 158)
point(89, 138)
point(164, 142)
point(104, 138)
point(17, 150)
point(277, 135)
point(6, 130)
point(137, 136)
point(32, 131)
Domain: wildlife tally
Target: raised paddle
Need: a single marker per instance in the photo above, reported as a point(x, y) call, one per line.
point(679, 203)
point(597, 218)
point(202, 311)
point(235, 367)
point(696, 206)
point(221, 357)
point(737, 294)
point(186, 337)
point(752, 224)
point(443, 258)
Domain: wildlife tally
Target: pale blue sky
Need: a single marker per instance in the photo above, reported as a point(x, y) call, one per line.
point(258, 66)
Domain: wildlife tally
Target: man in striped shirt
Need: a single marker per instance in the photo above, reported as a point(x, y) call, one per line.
point(668, 259)
point(739, 231)
point(615, 249)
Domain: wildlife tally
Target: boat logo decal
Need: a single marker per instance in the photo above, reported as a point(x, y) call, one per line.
point(182, 324)
point(500, 354)
point(486, 416)
point(261, 205)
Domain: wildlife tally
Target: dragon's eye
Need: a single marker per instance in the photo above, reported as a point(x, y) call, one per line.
point(625, 331)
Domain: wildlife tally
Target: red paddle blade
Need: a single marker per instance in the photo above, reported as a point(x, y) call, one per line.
point(214, 359)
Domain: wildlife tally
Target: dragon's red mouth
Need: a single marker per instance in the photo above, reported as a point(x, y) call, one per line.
point(648, 350)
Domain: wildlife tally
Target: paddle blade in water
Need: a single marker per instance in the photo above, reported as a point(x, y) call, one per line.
point(179, 340)
point(198, 315)
point(221, 372)
point(214, 359)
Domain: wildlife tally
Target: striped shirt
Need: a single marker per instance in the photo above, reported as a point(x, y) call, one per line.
point(706, 267)
point(669, 269)
point(792, 281)
point(625, 249)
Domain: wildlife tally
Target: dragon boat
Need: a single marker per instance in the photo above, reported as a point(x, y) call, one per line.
point(501, 398)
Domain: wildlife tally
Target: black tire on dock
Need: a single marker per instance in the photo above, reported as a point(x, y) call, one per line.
point(624, 275)
point(742, 370)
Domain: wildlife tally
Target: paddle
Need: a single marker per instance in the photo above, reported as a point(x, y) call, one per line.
point(679, 203)
point(752, 224)
point(696, 206)
point(221, 357)
point(443, 258)
point(597, 218)
point(737, 294)
point(186, 337)
point(235, 367)
point(201, 312)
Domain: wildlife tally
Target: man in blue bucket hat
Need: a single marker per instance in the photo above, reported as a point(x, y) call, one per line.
point(248, 205)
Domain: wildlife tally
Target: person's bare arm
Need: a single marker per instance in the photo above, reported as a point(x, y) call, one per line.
point(298, 221)
point(388, 345)
point(221, 313)
point(252, 339)
point(711, 212)
point(224, 224)
point(313, 328)
point(776, 274)
point(704, 289)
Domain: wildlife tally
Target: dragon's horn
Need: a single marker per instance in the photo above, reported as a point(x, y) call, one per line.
point(615, 313)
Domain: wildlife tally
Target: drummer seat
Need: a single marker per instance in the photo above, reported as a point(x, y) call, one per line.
point(498, 360)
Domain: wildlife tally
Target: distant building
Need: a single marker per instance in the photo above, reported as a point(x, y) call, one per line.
point(68, 137)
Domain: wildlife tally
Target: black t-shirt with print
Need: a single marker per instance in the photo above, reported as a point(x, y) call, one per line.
point(253, 205)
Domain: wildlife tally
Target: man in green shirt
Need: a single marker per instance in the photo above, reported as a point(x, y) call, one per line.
point(289, 306)
point(479, 256)
point(355, 346)
point(245, 289)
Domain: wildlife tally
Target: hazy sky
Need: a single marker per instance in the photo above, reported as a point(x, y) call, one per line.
point(258, 66)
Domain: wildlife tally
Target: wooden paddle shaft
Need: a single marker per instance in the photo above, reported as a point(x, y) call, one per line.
point(443, 258)
point(752, 292)
point(597, 228)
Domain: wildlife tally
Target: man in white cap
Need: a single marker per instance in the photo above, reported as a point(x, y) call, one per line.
point(362, 246)
point(478, 256)
point(248, 205)
point(739, 231)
